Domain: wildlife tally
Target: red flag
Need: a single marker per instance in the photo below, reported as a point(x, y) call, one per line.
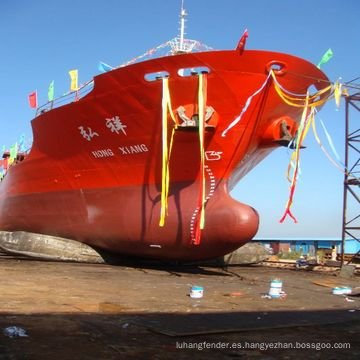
point(242, 42)
point(33, 100)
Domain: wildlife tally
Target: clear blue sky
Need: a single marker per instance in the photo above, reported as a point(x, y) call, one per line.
point(42, 40)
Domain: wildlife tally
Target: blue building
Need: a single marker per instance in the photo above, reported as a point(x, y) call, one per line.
point(308, 245)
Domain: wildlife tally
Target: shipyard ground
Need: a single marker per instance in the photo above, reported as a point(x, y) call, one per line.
point(83, 311)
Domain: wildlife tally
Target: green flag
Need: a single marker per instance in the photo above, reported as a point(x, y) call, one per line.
point(326, 57)
point(51, 91)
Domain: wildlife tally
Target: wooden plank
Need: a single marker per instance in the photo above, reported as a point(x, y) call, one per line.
point(331, 283)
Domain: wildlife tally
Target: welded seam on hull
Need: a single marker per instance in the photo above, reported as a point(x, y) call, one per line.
point(210, 194)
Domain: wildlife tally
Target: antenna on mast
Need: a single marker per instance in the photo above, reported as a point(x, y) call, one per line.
point(178, 45)
point(183, 14)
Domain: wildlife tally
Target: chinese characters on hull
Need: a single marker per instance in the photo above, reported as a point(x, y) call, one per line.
point(87, 134)
point(114, 124)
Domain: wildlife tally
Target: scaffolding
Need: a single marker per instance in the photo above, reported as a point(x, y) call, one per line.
point(351, 223)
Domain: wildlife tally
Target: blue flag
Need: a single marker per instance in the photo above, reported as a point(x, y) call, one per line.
point(104, 67)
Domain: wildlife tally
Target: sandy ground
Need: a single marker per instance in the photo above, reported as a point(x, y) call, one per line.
point(83, 311)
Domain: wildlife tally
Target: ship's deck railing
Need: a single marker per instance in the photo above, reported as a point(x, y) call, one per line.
point(67, 98)
point(174, 46)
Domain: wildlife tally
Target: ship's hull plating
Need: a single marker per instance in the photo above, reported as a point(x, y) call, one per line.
point(94, 171)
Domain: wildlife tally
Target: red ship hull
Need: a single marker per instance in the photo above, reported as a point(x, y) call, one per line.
point(104, 189)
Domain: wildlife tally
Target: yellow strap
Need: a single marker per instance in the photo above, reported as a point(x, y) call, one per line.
point(167, 168)
point(308, 123)
point(290, 166)
point(311, 99)
point(320, 92)
point(307, 118)
point(164, 166)
point(201, 104)
point(168, 100)
point(302, 129)
point(166, 150)
point(291, 103)
point(301, 137)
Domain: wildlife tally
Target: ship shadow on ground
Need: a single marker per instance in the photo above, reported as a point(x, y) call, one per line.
point(113, 334)
point(218, 267)
point(173, 268)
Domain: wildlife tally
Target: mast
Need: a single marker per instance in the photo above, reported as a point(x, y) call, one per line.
point(178, 45)
point(183, 14)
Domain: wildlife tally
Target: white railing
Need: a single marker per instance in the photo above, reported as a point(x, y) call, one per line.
point(67, 98)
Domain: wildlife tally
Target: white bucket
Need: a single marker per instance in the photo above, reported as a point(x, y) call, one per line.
point(341, 290)
point(275, 288)
point(196, 292)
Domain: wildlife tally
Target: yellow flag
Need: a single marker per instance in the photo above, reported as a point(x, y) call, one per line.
point(337, 93)
point(74, 80)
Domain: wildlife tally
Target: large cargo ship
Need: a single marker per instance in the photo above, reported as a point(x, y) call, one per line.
point(143, 163)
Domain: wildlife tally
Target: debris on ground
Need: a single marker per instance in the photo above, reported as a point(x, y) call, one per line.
point(88, 307)
point(234, 294)
point(331, 283)
point(266, 296)
point(14, 331)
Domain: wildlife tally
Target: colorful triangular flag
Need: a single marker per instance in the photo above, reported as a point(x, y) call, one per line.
point(74, 80)
point(241, 44)
point(51, 91)
point(33, 99)
point(104, 67)
point(325, 58)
